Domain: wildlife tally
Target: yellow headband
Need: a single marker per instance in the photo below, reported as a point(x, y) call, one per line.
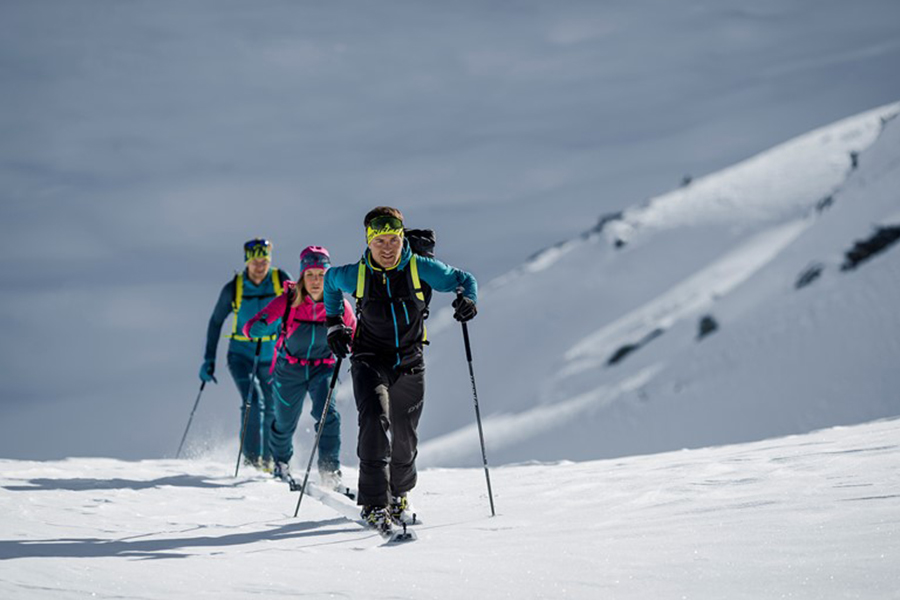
point(385, 229)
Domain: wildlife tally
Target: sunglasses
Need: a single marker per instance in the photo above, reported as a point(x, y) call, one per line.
point(385, 222)
point(314, 260)
point(257, 243)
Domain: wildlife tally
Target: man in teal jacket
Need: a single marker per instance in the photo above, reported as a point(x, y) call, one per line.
point(244, 296)
point(387, 365)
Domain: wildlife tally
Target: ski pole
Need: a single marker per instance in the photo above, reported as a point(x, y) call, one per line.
point(184, 437)
point(247, 406)
point(261, 397)
point(487, 474)
point(334, 376)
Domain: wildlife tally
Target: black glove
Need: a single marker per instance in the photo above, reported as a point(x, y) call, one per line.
point(339, 339)
point(465, 309)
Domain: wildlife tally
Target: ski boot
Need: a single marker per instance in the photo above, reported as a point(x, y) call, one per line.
point(282, 471)
point(379, 519)
point(402, 511)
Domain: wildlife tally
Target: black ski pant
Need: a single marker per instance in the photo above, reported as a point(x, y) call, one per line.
point(389, 404)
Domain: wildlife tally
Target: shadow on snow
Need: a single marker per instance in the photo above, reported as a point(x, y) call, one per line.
point(161, 548)
point(78, 485)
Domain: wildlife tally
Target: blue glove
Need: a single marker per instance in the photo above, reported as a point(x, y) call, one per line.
point(206, 371)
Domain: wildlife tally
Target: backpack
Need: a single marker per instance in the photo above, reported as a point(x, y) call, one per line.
point(239, 297)
point(421, 242)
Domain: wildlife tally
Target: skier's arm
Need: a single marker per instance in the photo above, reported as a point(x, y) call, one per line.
point(339, 280)
point(219, 314)
point(265, 322)
point(444, 278)
point(349, 317)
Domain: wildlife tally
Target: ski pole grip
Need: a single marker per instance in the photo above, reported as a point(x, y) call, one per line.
point(465, 328)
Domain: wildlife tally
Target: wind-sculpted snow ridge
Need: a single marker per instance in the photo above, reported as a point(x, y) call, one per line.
point(784, 182)
point(781, 183)
point(586, 317)
point(811, 516)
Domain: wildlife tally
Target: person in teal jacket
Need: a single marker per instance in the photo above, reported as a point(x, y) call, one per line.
point(243, 296)
point(387, 365)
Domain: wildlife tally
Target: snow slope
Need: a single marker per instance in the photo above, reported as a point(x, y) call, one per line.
point(811, 516)
point(591, 349)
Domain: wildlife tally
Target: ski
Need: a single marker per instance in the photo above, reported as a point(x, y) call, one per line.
point(344, 491)
point(341, 503)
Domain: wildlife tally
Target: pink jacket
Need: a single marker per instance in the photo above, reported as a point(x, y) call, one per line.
point(308, 314)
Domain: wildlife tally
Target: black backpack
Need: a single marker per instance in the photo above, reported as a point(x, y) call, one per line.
point(422, 241)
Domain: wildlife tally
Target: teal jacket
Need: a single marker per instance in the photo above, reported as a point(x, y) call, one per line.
point(254, 299)
point(391, 326)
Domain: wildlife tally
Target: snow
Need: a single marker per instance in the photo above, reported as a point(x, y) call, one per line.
point(629, 457)
point(808, 516)
point(552, 380)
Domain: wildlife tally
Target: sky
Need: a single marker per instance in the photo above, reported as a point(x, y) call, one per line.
point(144, 142)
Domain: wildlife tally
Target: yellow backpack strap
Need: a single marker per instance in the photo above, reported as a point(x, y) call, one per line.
point(276, 282)
point(236, 303)
point(360, 280)
point(417, 289)
point(417, 285)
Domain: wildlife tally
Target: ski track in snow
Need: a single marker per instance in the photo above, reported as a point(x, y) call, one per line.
point(808, 516)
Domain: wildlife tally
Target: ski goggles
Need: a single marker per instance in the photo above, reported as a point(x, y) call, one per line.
point(257, 248)
point(314, 257)
point(383, 225)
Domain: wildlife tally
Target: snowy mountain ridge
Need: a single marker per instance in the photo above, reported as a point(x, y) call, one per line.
point(732, 243)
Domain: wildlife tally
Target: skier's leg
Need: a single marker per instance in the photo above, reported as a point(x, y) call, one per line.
point(288, 390)
point(240, 366)
point(407, 399)
point(373, 444)
point(330, 439)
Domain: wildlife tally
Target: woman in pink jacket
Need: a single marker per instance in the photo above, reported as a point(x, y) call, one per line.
point(303, 363)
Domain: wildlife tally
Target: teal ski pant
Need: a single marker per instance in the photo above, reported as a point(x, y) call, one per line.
point(292, 383)
point(261, 415)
